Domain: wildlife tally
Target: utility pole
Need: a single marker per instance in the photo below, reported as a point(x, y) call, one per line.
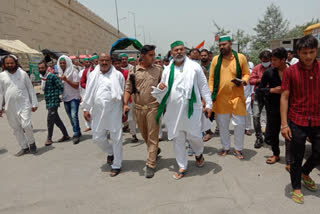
point(115, 1)
point(134, 23)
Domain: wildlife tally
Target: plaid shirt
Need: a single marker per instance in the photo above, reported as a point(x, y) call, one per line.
point(52, 90)
point(304, 98)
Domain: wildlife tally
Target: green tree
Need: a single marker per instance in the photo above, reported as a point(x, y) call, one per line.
point(297, 31)
point(242, 40)
point(272, 26)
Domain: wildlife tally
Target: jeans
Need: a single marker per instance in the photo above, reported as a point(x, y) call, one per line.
point(53, 118)
point(257, 106)
point(72, 109)
point(297, 149)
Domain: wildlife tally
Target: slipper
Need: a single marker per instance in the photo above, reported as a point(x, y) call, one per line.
point(114, 172)
point(223, 152)
point(200, 161)
point(178, 175)
point(238, 155)
point(297, 198)
point(310, 185)
point(206, 138)
point(269, 161)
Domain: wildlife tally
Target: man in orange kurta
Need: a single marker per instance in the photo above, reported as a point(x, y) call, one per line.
point(229, 100)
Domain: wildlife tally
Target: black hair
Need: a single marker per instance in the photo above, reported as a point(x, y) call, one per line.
point(290, 51)
point(43, 62)
point(308, 41)
point(146, 48)
point(280, 53)
point(194, 49)
point(205, 50)
point(166, 59)
point(210, 52)
point(265, 55)
point(115, 59)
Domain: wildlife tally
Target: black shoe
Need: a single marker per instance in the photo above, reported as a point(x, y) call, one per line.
point(22, 152)
point(110, 159)
point(76, 139)
point(149, 172)
point(63, 139)
point(258, 144)
point(33, 148)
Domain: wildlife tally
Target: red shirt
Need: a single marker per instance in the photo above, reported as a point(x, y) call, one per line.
point(125, 75)
point(304, 98)
point(83, 80)
point(256, 74)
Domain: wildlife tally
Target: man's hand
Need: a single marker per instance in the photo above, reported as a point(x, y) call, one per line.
point(63, 77)
point(258, 81)
point(162, 86)
point(126, 108)
point(87, 116)
point(0, 113)
point(34, 109)
point(286, 133)
point(244, 83)
point(275, 90)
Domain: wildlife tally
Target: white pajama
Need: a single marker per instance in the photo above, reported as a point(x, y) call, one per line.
point(238, 122)
point(115, 149)
point(179, 144)
point(249, 114)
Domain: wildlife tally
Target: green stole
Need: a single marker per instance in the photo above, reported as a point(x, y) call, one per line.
point(217, 74)
point(163, 103)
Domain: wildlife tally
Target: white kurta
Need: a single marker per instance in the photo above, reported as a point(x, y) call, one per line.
point(176, 116)
point(17, 93)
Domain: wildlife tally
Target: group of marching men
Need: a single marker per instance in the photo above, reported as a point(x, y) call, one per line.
point(179, 95)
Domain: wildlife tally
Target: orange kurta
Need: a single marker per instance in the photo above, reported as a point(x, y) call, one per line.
point(230, 98)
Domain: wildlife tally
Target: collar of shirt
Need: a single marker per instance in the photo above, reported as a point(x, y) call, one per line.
point(139, 67)
point(316, 66)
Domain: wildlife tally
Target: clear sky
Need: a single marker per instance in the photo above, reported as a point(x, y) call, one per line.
point(191, 21)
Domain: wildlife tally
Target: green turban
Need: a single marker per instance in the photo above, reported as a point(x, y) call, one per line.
point(86, 59)
point(62, 59)
point(158, 57)
point(94, 57)
point(131, 59)
point(123, 55)
point(176, 43)
point(224, 38)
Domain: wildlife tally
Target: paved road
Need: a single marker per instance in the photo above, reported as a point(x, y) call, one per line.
point(67, 178)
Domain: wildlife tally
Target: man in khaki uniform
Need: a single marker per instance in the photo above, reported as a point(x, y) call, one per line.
point(140, 82)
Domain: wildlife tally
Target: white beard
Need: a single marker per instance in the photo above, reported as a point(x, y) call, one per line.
point(178, 60)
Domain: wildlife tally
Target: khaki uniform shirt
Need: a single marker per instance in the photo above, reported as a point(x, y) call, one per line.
point(144, 80)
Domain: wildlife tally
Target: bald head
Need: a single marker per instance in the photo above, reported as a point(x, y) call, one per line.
point(104, 62)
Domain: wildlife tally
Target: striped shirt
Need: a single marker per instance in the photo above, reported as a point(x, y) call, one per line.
point(304, 98)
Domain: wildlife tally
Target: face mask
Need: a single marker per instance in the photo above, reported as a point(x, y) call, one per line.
point(265, 64)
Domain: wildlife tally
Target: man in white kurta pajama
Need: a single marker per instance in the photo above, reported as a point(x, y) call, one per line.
point(18, 99)
point(103, 96)
point(183, 105)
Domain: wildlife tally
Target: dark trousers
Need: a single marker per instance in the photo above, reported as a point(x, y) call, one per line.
point(53, 118)
point(257, 106)
point(299, 136)
point(272, 132)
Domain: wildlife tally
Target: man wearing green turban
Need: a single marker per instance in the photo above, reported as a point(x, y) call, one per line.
point(229, 72)
point(182, 86)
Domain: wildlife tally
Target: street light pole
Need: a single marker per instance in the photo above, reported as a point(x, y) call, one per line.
point(115, 1)
point(134, 23)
